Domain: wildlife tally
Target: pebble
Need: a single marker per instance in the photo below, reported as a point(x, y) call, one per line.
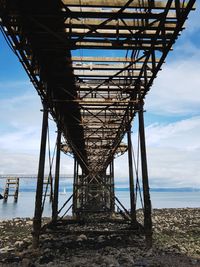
point(81, 238)
point(25, 262)
point(101, 238)
point(19, 244)
point(175, 237)
point(6, 250)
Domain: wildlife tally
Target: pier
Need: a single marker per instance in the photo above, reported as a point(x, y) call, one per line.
point(96, 98)
point(11, 188)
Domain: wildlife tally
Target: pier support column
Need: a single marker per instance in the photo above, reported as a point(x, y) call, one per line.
point(74, 207)
point(51, 188)
point(40, 180)
point(56, 182)
point(131, 178)
point(145, 180)
point(112, 186)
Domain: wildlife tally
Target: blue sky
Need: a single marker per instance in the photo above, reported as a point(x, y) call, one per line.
point(172, 117)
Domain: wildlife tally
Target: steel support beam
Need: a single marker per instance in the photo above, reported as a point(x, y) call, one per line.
point(51, 187)
point(40, 180)
point(57, 176)
point(112, 199)
point(131, 178)
point(74, 207)
point(145, 180)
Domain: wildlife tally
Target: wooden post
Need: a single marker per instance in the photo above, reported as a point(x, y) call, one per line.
point(131, 178)
point(145, 181)
point(57, 176)
point(40, 180)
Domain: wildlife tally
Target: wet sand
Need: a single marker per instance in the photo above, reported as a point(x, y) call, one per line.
point(176, 242)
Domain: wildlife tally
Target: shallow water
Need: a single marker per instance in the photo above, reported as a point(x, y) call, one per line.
point(26, 201)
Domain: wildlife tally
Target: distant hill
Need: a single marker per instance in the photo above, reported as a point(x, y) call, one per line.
point(169, 189)
point(69, 189)
point(29, 185)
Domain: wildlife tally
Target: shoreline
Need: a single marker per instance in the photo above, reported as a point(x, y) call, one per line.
point(26, 203)
point(176, 242)
point(69, 215)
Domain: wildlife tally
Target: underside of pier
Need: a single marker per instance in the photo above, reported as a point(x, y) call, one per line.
point(94, 98)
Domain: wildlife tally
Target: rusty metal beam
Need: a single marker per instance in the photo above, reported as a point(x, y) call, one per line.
point(57, 177)
point(145, 180)
point(40, 179)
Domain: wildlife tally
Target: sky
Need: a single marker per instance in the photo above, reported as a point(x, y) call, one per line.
point(172, 118)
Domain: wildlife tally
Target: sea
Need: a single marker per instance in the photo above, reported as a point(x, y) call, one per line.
point(160, 198)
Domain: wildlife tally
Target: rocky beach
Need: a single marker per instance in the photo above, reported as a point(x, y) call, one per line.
point(176, 242)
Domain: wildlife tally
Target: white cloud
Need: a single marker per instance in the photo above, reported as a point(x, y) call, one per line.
point(192, 24)
point(174, 148)
point(21, 121)
point(21, 140)
point(183, 134)
point(176, 89)
point(173, 152)
point(22, 110)
point(188, 50)
point(14, 85)
point(172, 167)
point(19, 162)
point(121, 169)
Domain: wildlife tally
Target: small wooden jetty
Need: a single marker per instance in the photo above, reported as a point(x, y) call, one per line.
point(11, 188)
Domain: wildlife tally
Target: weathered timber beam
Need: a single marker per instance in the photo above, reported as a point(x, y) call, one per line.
point(122, 42)
point(118, 82)
point(107, 73)
point(108, 114)
point(169, 24)
point(95, 101)
point(107, 59)
point(137, 28)
point(95, 133)
point(109, 33)
point(101, 126)
point(114, 45)
point(102, 13)
point(44, 48)
point(121, 3)
point(99, 147)
point(93, 121)
point(111, 108)
point(80, 32)
point(96, 138)
point(130, 81)
point(103, 67)
point(106, 89)
point(105, 105)
point(99, 142)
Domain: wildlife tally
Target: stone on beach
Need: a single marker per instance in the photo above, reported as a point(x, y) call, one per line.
point(176, 243)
